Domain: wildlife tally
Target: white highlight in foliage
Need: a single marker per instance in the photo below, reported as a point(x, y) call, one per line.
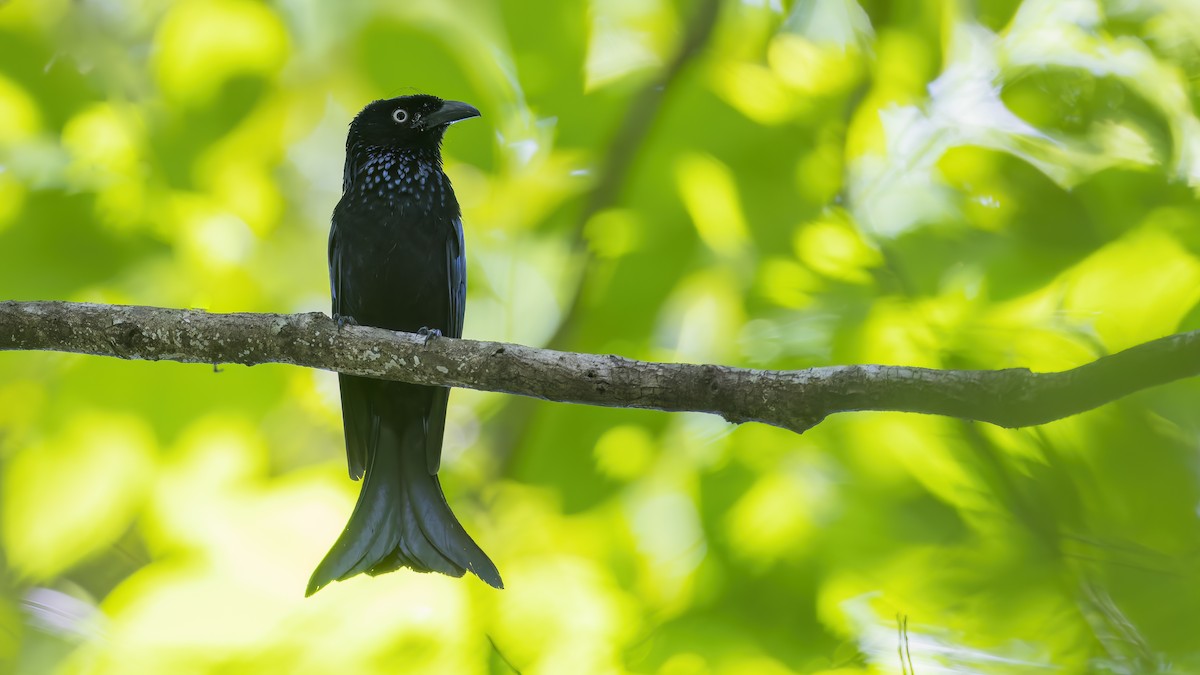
point(841, 22)
point(931, 649)
point(625, 37)
point(901, 188)
point(62, 615)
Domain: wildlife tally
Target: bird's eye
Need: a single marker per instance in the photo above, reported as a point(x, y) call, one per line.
point(400, 115)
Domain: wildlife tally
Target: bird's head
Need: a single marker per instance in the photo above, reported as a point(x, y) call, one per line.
point(415, 122)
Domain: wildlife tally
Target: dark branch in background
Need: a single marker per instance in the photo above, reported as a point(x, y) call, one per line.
point(623, 148)
point(642, 113)
point(509, 429)
point(792, 399)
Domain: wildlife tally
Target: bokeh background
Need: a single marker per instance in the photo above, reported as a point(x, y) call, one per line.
point(959, 184)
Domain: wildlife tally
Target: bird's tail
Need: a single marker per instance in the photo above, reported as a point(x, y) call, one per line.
point(402, 520)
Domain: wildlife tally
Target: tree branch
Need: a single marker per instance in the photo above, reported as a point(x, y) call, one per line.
point(792, 399)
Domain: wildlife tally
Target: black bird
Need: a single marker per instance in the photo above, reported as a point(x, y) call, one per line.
point(396, 261)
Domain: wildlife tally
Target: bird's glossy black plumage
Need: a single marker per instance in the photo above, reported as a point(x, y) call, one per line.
point(396, 261)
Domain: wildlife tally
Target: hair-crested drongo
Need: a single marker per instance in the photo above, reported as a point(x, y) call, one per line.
point(396, 261)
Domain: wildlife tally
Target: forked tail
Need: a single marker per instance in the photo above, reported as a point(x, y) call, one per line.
point(402, 520)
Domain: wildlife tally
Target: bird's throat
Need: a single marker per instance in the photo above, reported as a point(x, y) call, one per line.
point(399, 175)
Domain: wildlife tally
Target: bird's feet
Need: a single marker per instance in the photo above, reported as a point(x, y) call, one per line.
point(344, 320)
point(429, 333)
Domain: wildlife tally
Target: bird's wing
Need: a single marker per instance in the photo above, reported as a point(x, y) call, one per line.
point(356, 405)
point(360, 423)
point(456, 264)
point(456, 274)
point(335, 270)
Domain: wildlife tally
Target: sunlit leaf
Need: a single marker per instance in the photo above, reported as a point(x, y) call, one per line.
point(76, 493)
point(19, 111)
point(201, 45)
point(710, 193)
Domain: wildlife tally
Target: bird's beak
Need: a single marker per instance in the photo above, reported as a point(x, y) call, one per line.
point(449, 113)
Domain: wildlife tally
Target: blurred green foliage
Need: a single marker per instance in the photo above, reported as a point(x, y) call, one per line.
point(965, 184)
